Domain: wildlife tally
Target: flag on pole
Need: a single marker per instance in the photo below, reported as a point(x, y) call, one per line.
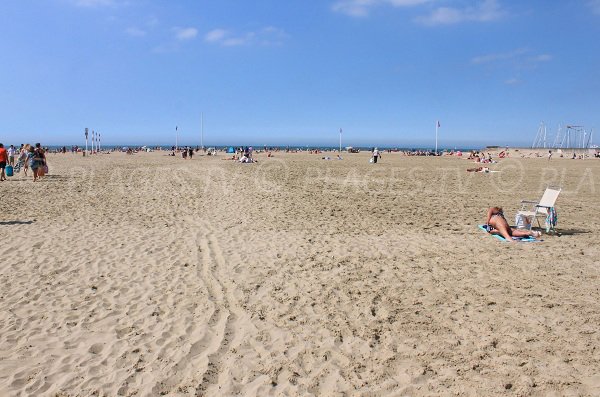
point(438, 124)
point(175, 128)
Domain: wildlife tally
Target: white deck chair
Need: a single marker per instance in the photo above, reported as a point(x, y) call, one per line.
point(534, 209)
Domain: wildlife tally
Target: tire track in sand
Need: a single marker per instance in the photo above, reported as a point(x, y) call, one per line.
point(224, 318)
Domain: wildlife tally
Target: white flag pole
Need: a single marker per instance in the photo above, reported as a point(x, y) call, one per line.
point(86, 142)
point(176, 139)
point(93, 139)
point(340, 141)
point(437, 125)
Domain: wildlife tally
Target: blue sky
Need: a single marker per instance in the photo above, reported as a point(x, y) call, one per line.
point(295, 71)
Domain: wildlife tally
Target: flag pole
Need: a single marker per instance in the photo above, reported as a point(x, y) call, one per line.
point(340, 141)
point(437, 125)
point(176, 139)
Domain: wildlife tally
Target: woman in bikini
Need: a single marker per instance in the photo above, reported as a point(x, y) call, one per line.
point(498, 225)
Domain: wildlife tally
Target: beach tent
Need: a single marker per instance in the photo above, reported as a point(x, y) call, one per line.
point(230, 150)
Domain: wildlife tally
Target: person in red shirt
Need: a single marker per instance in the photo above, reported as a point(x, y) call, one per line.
point(3, 161)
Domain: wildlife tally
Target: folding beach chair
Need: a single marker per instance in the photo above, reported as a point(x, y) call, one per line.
point(543, 208)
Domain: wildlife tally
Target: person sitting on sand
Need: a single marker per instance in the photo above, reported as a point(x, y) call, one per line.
point(497, 224)
point(478, 169)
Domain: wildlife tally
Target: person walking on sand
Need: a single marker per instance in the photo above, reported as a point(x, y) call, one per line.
point(376, 155)
point(24, 157)
point(37, 160)
point(549, 155)
point(3, 161)
point(497, 224)
point(31, 162)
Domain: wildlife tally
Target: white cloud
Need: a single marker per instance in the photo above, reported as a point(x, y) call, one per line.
point(485, 11)
point(185, 33)
point(520, 57)
point(501, 56)
point(267, 36)
point(135, 32)
point(354, 8)
point(152, 21)
point(595, 6)
point(542, 58)
point(215, 36)
point(93, 3)
point(361, 8)
point(518, 62)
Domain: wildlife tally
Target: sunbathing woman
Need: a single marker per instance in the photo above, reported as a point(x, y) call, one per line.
point(497, 224)
point(478, 169)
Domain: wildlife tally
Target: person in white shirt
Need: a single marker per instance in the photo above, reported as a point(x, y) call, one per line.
point(376, 155)
point(11, 155)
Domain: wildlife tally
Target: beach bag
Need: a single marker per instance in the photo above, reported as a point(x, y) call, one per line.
point(9, 170)
point(45, 169)
point(522, 222)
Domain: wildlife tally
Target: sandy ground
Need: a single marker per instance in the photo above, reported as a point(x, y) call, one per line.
point(149, 275)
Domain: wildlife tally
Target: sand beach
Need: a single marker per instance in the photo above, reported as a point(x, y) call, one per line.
point(149, 275)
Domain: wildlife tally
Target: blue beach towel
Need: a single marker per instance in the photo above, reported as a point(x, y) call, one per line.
point(519, 239)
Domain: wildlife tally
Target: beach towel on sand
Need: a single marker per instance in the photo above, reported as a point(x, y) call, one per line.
point(520, 239)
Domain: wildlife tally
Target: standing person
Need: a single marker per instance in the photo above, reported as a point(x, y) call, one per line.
point(31, 162)
point(39, 161)
point(376, 155)
point(24, 157)
point(191, 152)
point(3, 161)
point(549, 154)
point(11, 155)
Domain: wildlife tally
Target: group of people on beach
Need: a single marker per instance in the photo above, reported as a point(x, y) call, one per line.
point(26, 157)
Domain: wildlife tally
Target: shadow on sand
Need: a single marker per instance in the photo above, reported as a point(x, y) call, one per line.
point(3, 223)
point(51, 177)
point(571, 232)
